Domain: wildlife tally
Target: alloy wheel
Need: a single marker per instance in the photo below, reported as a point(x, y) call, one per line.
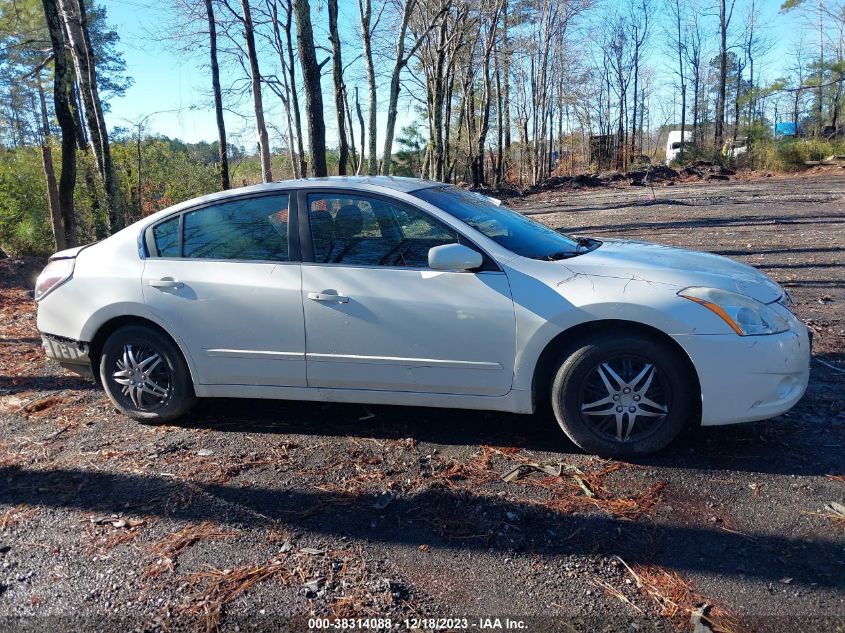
point(625, 398)
point(143, 376)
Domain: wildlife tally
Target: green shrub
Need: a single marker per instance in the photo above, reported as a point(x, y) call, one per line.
point(24, 218)
point(789, 155)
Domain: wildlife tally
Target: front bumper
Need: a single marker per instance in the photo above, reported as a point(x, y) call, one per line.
point(70, 354)
point(747, 378)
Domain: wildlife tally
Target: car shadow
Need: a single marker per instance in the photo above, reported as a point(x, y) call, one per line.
point(761, 447)
point(19, 384)
point(436, 516)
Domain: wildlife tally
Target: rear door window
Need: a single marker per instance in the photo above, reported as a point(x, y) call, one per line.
point(251, 229)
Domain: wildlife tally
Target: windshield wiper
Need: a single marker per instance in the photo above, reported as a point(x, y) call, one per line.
point(562, 255)
point(585, 242)
point(582, 245)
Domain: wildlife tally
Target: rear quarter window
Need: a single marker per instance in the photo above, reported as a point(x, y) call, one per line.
point(166, 237)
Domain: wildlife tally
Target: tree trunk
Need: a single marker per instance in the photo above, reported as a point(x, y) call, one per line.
point(258, 102)
point(499, 124)
point(78, 37)
point(736, 104)
point(393, 99)
point(478, 175)
point(61, 96)
point(681, 45)
point(352, 148)
point(723, 76)
point(506, 57)
point(50, 173)
point(399, 64)
point(366, 10)
point(313, 90)
point(76, 110)
point(284, 93)
point(361, 124)
point(294, 97)
point(820, 96)
point(337, 73)
point(636, 73)
point(218, 97)
point(695, 99)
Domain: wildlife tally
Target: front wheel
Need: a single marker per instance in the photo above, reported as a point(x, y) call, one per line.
point(145, 376)
point(622, 395)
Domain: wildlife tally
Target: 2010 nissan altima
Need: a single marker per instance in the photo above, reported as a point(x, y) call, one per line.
point(403, 291)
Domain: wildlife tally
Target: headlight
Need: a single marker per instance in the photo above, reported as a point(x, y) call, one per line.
point(745, 316)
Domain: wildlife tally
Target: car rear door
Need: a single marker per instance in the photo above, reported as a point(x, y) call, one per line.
point(376, 317)
point(225, 279)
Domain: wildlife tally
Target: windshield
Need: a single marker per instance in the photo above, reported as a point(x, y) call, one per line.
point(507, 228)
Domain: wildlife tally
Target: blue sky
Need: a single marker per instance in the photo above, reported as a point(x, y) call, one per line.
point(178, 86)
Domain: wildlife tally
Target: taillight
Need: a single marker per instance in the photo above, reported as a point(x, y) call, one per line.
point(55, 273)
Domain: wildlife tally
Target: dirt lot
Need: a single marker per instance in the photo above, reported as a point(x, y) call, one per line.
point(262, 514)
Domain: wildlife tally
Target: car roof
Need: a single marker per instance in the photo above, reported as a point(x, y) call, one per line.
point(362, 183)
point(397, 183)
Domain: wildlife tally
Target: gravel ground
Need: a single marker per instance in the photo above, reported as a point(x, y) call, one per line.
point(254, 514)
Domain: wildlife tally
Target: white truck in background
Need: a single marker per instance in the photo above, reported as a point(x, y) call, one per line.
point(673, 144)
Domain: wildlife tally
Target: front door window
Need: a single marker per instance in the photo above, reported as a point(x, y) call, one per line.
point(357, 230)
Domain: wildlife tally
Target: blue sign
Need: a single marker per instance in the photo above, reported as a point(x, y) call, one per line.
point(785, 128)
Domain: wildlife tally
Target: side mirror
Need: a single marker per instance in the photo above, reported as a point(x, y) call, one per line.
point(454, 257)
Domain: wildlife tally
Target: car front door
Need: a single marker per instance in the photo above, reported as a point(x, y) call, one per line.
point(376, 317)
point(221, 279)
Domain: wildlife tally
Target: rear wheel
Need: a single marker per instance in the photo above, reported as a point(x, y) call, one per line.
point(622, 395)
point(145, 375)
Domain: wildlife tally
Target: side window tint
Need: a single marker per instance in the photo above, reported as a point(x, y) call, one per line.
point(247, 229)
point(166, 236)
point(356, 230)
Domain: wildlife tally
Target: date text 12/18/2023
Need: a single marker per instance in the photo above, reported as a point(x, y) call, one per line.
point(425, 624)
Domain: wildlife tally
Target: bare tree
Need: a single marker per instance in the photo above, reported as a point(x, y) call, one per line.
point(725, 14)
point(400, 62)
point(640, 13)
point(620, 57)
point(312, 87)
point(285, 86)
point(492, 22)
point(62, 81)
point(365, 8)
point(679, 35)
point(361, 124)
point(245, 20)
point(75, 24)
point(294, 98)
point(218, 96)
point(821, 14)
point(49, 171)
point(694, 59)
point(282, 87)
point(337, 74)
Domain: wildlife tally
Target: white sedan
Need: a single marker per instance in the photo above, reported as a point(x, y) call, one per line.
point(402, 291)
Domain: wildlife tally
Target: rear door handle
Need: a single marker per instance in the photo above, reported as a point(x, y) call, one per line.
point(166, 282)
point(327, 296)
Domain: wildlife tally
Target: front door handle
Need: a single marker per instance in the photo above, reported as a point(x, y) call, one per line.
point(327, 296)
point(166, 282)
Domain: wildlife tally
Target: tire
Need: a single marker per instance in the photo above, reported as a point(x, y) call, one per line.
point(138, 354)
point(604, 379)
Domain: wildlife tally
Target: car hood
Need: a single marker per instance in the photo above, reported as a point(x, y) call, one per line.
point(675, 266)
